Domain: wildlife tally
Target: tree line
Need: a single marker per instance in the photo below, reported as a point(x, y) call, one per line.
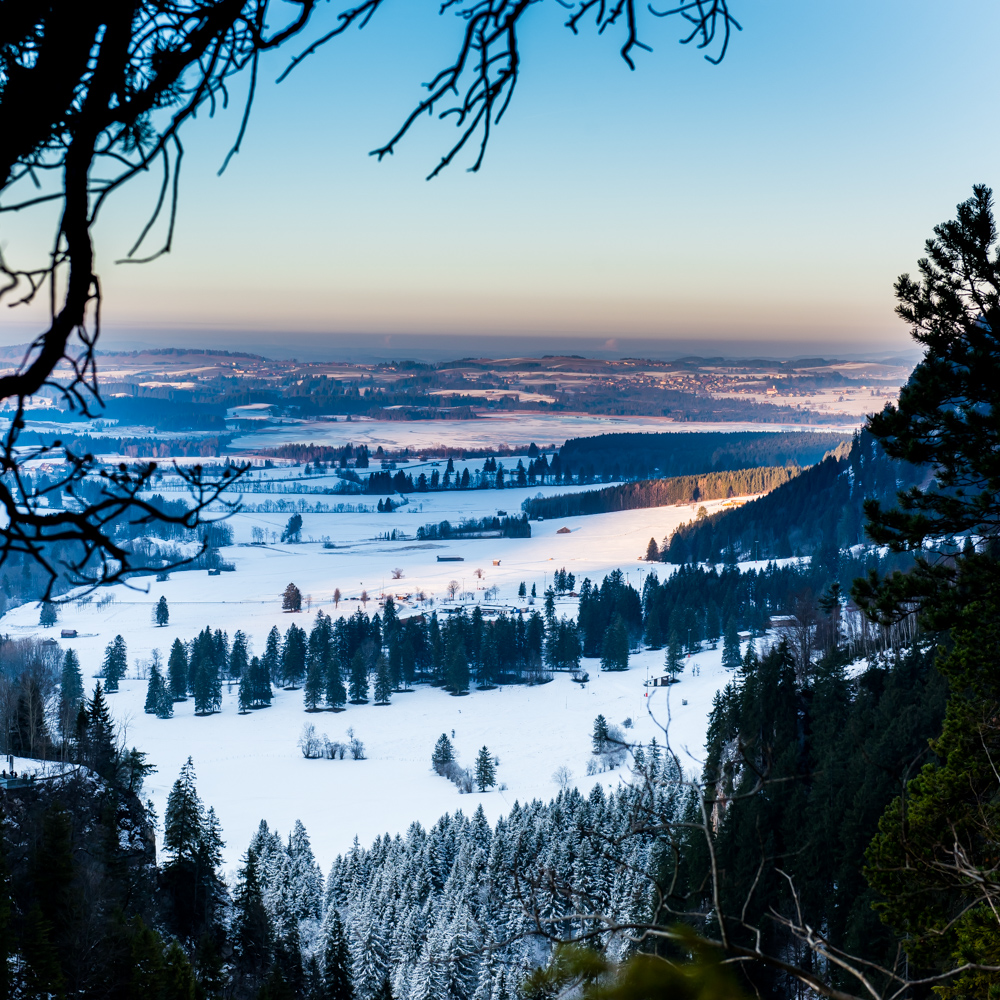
point(646, 456)
point(661, 492)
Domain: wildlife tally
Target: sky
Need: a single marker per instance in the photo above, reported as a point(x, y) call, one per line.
point(763, 206)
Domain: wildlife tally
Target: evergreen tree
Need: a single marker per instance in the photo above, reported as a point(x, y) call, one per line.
point(154, 691)
point(652, 551)
point(522, 590)
point(458, 669)
point(674, 660)
point(443, 754)
point(115, 663)
point(177, 671)
point(293, 657)
point(162, 612)
point(272, 656)
point(359, 679)
point(48, 615)
point(259, 684)
point(245, 692)
point(654, 635)
point(312, 692)
point(238, 656)
point(337, 978)
point(486, 775)
point(70, 692)
point(101, 752)
point(335, 693)
point(164, 708)
point(383, 682)
point(614, 650)
point(370, 959)
point(599, 737)
point(206, 680)
point(731, 658)
point(192, 838)
point(251, 933)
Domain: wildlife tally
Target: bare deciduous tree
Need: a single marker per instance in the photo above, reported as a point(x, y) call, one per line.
point(96, 94)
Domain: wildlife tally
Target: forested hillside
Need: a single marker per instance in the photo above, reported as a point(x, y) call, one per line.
point(823, 508)
point(645, 456)
point(661, 492)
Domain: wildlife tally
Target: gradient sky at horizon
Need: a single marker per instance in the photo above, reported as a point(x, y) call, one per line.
point(772, 199)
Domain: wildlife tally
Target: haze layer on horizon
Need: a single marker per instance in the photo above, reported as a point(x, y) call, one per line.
point(768, 202)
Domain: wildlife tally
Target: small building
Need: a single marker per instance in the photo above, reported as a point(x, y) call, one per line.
point(563, 531)
point(496, 562)
point(68, 633)
point(783, 621)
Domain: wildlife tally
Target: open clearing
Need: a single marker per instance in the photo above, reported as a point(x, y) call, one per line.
point(249, 767)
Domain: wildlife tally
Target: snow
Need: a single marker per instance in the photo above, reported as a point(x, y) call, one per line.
point(516, 430)
point(249, 767)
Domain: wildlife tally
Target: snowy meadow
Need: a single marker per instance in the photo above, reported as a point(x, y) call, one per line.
point(249, 767)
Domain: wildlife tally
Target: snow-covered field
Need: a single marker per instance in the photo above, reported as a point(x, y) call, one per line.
point(250, 768)
point(516, 430)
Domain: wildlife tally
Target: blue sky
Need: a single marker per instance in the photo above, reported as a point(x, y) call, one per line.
point(770, 200)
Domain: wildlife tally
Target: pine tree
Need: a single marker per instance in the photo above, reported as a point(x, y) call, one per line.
point(359, 680)
point(370, 959)
point(458, 669)
point(162, 612)
point(335, 693)
point(599, 738)
point(48, 615)
point(238, 656)
point(731, 658)
point(70, 693)
point(259, 683)
point(652, 551)
point(184, 818)
point(115, 663)
point(654, 635)
point(443, 754)
point(164, 708)
point(251, 934)
point(306, 880)
point(101, 752)
point(674, 661)
point(206, 681)
point(293, 657)
point(177, 671)
point(154, 691)
point(522, 590)
point(337, 978)
point(614, 650)
point(191, 881)
point(383, 682)
point(272, 655)
point(245, 694)
point(312, 692)
point(486, 774)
